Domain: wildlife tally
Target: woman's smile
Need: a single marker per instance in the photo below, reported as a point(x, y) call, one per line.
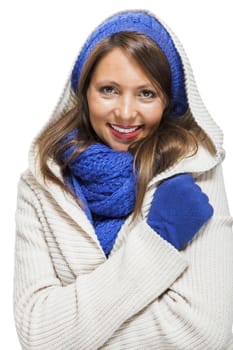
point(125, 132)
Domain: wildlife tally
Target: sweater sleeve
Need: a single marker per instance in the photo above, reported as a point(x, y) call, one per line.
point(196, 312)
point(86, 313)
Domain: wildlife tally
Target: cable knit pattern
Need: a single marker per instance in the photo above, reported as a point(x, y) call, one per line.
point(146, 295)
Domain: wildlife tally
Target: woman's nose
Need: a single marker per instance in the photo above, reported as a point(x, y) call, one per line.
point(126, 110)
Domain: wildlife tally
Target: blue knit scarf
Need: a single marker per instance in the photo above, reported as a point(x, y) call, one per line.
point(103, 179)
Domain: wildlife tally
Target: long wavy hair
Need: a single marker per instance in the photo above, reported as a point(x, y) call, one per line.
point(174, 139)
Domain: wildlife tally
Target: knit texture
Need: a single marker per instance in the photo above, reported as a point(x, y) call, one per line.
point(146, 295)
point(103, 179)
point(144, 23)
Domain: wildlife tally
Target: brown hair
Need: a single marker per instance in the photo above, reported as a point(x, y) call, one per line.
point(174, 139)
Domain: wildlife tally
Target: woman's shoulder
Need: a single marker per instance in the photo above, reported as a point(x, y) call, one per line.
point(27, 181)
point(32, 190)
point(28, 191)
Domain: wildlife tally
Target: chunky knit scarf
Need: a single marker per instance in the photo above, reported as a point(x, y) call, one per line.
point(103, 179)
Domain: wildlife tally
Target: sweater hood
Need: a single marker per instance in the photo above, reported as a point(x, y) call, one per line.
point(186, 93)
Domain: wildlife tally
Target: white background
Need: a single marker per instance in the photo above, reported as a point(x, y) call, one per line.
point(38, 43)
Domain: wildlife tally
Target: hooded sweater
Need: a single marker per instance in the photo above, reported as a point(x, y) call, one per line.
point(146, 294)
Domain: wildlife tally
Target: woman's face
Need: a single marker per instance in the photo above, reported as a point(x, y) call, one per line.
point(123, 104)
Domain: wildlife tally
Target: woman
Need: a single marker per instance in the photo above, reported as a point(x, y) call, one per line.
point(124, 236)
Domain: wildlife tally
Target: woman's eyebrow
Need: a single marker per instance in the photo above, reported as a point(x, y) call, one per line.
point(113, 82)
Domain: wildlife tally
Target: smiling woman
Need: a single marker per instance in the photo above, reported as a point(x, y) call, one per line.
point(131, 63)
point(124, 237)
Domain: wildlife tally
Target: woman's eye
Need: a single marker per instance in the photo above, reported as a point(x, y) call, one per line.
point(108, 90)
point(147, 94)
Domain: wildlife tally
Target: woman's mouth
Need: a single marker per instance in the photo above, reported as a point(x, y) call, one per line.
point(125, 132)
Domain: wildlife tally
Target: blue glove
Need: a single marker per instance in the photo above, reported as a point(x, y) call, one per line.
point(178, 210)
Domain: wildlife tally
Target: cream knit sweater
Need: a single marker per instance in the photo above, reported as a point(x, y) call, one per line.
point(146, 295)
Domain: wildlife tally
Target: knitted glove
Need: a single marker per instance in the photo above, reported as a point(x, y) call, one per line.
point(178, 210)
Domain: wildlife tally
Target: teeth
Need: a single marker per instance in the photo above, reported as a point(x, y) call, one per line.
point(123, 130)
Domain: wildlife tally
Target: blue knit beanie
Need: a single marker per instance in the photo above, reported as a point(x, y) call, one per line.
point(141, 22)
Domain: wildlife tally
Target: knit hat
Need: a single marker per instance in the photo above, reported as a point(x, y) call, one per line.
point(144, 23)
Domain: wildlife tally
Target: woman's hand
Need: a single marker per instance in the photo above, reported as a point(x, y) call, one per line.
point(178, 210)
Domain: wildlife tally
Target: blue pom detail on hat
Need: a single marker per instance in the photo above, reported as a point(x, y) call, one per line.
point(141, 22)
